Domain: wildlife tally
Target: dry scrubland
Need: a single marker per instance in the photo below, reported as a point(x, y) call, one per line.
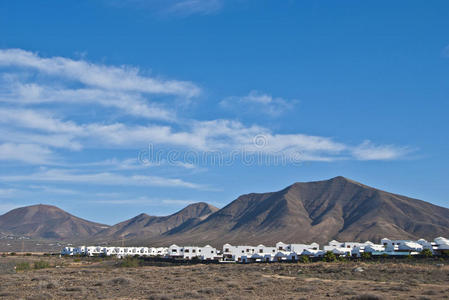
point(96, 278)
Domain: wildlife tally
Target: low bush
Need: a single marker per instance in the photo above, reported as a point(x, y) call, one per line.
point(304, 259)
point(329, 257)
point(426, 253)
point(41, 264)
point(130, 262)
point(365, 255)
point(23, 266)
point(12, 253)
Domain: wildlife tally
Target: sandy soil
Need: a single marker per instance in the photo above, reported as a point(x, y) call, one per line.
point(70, 278)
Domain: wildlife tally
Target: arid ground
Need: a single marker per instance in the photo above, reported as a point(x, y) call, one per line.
point(96, 278)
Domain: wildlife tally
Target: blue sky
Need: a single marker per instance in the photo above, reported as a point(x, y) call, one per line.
point(113, 108)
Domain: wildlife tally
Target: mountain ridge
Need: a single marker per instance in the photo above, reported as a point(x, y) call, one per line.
point(316, 211)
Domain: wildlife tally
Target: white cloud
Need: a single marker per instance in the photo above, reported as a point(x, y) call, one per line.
point(105, 178)
point(127, 102)
point(215, 135)
point(27, 153)
point(111, 78)
point(260, 102)
point(31, 135)
point(368, 151)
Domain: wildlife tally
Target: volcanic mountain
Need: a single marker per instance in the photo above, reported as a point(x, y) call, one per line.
point(47, 222)
point(338, 208)
point(145, 226)
point(320, 211)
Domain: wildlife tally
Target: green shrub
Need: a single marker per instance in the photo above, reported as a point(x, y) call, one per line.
point(12, 253)
point(426, 253)
point(342, 258)
point(77, 260)
point(329, 256)
point(304, 259)
point(23, 266)
point(365, 255)
point(41, 265)
point(130, 262)
point(27, 254)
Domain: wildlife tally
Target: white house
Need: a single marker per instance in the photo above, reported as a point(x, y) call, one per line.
point(346, 248)
point(209, 253)
point(190, 252)
point(235, 253)
point(175, 251)
point(297, 248)
point(409, 246)
point(442, 243)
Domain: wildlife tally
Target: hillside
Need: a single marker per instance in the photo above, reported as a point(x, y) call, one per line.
point(320, 211)
point(146, 226)
point(47, 222)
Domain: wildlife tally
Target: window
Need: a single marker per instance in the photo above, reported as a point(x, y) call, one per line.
point(174, 250)
point(260, 250)
point(187, 251)
point(227, 250)
point(193, 251)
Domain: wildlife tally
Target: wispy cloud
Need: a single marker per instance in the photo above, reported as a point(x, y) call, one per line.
point(47, 132)
point(27, 153)
point(105, 178)
point(369, 151)
point(260, 102)
point(127, 102)
point(111, 78)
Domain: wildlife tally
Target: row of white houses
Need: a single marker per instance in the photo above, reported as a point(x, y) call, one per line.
point(261, 253)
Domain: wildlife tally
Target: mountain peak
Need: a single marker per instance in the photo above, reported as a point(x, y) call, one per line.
point(47, 221)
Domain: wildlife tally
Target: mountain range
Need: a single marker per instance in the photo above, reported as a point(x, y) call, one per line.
point(338, 208)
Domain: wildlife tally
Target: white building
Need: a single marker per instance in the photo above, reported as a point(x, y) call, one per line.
point(409, 246)
point(346, 248)
point(209, 253)
point(297, 248)
point(175, 251)
point(235, 253)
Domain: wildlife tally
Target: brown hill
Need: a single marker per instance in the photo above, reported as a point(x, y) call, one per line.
point(47, 222)
point(320, 211)
point(145, 226)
